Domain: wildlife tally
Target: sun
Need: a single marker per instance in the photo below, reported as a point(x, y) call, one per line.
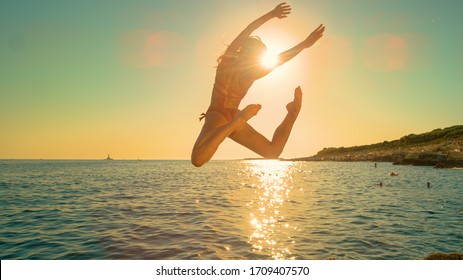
point(269, 59)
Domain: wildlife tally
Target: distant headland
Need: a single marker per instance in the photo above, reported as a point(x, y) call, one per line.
point(441, 148)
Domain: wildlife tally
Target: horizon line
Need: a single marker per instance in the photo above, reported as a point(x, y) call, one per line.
point(112, 159)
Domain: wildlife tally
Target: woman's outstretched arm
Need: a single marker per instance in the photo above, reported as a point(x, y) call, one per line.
point(307, 43)
point(291, 53)
point(282, 10)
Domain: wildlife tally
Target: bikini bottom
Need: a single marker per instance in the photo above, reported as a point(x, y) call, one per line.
point(228, 113)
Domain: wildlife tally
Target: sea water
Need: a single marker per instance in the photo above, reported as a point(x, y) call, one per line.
point(243, 209)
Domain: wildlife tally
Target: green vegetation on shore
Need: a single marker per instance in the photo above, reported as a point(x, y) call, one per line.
point(439, 148)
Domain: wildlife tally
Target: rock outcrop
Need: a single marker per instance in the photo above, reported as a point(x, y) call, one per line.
point(441, 148)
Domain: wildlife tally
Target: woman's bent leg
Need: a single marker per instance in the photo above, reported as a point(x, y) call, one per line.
point(253, 140)
point(215, 130)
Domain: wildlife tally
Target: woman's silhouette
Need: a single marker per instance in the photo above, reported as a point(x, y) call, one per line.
point(237, 70)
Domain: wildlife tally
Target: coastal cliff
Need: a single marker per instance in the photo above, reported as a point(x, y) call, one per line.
point(441, 148)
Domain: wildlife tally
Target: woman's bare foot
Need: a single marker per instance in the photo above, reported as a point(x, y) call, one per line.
point(247, 113)
point(294, 107)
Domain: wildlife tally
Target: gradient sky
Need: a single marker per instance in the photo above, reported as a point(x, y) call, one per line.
point(83, 79)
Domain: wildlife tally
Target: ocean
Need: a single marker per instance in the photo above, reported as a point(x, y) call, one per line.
point(238, 209)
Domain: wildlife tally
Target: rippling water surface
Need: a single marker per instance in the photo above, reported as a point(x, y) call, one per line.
point(254, 209)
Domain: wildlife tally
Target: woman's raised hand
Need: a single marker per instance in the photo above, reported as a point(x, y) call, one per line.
point(282, 10)
point(314, 36)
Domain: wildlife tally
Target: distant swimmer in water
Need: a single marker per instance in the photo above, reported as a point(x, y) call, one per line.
point(238, 68)
point(394, 174)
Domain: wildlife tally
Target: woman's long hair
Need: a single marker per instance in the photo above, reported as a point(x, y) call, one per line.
point(251, 48)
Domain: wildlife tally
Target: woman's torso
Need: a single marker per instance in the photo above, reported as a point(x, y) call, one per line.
point(230, 86)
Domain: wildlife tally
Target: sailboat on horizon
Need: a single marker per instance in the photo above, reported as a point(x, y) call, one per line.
point(109, 158)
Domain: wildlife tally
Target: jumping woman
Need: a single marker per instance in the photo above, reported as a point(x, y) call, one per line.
point(237, 70)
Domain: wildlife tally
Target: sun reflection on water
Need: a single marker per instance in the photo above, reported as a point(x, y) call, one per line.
point(271, 232)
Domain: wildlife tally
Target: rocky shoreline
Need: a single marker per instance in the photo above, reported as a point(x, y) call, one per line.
point(441, 148)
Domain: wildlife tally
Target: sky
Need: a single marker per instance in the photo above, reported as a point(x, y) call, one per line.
point(84, 79)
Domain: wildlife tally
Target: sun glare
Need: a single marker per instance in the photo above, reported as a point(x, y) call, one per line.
point(269, 59)
point(271, 231)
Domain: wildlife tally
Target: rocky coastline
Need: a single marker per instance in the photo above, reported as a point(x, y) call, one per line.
point(440, 148)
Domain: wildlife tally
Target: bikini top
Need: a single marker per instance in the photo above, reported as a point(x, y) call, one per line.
point(228, 87)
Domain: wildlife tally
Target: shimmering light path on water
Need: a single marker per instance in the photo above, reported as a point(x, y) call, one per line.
point(227, 210)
